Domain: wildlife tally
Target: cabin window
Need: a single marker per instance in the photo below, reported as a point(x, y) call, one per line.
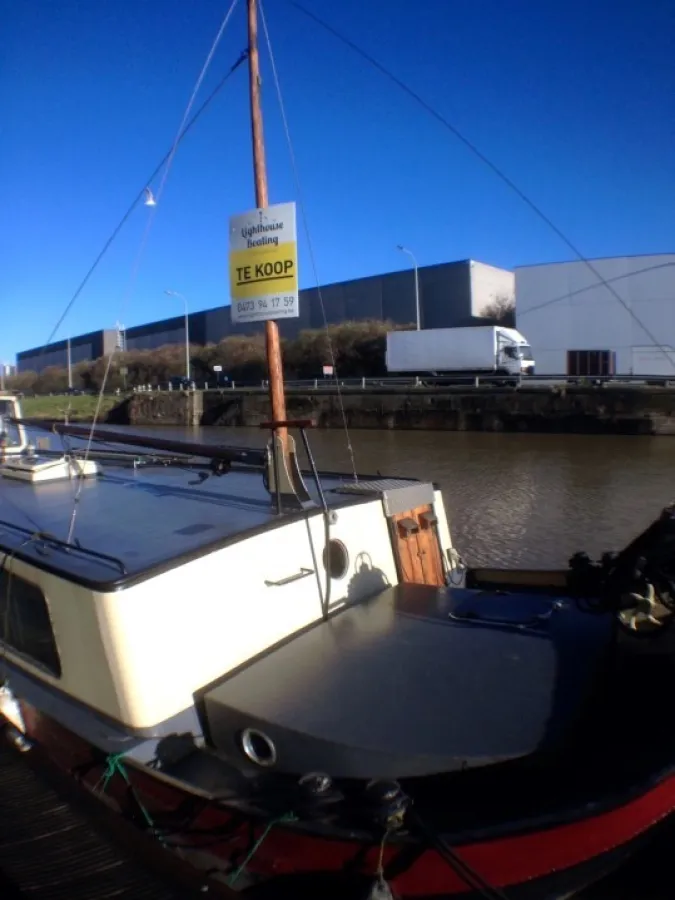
point(25, 625)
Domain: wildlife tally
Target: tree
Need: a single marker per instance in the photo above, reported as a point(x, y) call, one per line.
point(358, 348)
point(502, 310)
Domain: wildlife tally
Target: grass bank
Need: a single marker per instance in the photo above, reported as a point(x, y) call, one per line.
point(77, 408)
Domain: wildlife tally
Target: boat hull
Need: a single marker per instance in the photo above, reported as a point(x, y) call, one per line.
point(532, 863)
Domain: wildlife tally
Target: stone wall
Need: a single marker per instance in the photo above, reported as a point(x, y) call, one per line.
point(589, 410)
point(162, 408)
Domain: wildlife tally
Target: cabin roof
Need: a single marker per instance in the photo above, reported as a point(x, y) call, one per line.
point(143, 520)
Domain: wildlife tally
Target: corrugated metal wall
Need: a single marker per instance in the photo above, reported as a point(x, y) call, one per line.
point(83, 348)
point(446, 301)
point(563, 306)
point(490, 284)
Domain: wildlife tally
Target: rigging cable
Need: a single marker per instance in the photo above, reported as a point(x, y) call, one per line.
point(310, 245)
point(481, 156)
point(589, 287)
point(136, 266)
point(221, 84)
point(460, 867)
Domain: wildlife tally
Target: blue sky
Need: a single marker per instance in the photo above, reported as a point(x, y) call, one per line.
point(573, 100)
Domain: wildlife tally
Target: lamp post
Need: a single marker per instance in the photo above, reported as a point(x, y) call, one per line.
point(417, 282)
point(187, 331)
point(69, 365)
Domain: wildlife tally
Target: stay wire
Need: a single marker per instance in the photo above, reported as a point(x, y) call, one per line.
point(310, 245)
point(214, 93)
point(160, 191)
point(481, 156)
point(462, 869)
point(589, 287)
point(141, 249)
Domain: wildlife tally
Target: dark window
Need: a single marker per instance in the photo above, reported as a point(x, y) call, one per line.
point(6, 426)
point(25, 625)
point(591, 362)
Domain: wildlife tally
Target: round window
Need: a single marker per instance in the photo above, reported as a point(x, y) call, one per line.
point(258, 747)
point(336, 559)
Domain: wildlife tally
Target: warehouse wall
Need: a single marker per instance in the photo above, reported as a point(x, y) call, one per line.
point(450, 294)
point(562, 306)
point(157, 334)
point(488, 284)
point(83, 348)
point(445, 301)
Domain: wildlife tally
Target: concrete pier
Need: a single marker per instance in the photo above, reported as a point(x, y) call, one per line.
point(567, 409)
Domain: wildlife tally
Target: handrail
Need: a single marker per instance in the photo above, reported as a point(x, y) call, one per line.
point(52, 540)
point(420, 382)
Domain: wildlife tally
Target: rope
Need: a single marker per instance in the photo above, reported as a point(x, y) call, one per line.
point(287, 817)
point(310, 245)
point(115, 765)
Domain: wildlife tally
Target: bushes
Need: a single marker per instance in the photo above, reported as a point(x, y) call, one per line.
point(358, 347)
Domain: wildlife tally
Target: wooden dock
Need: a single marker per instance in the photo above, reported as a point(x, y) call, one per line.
point(57, 841)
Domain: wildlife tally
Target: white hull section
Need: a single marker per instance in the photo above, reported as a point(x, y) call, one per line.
point(138, 655)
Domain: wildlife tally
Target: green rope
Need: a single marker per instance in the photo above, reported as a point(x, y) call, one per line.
point(288, 817)
point(115, 764)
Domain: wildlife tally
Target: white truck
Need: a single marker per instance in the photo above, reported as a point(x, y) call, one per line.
point(442, 353)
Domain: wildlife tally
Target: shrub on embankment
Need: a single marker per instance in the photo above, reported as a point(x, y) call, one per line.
point(359, 349)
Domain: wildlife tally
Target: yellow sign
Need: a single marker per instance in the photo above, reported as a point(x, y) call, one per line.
point(264, 264)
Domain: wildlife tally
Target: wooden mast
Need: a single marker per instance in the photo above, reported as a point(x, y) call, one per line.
point(273, 344)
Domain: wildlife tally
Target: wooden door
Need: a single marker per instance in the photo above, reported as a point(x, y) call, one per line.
point(417, 548)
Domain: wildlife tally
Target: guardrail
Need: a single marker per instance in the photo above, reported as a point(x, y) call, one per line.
point(423, 383)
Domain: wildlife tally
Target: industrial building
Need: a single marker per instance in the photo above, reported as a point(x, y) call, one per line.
point(620, 323)
point(450, 294)
point(82, 348)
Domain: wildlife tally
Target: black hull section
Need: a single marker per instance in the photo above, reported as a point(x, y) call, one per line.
point(417, 681)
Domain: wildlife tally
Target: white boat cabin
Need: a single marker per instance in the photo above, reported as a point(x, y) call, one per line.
point(128, 587)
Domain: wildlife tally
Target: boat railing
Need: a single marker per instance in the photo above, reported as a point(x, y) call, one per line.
point(41, 540)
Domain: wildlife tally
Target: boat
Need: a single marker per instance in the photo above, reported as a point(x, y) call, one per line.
point(290, 678)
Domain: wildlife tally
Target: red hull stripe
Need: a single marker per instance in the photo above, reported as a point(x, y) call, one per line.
point(501, 862)
point(504, 862)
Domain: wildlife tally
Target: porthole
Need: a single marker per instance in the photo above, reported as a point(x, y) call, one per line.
point(258, 747)
point(336, 559)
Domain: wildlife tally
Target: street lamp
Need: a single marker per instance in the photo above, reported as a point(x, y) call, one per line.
point(417, 282)
point(187, 332)
point(69, 364)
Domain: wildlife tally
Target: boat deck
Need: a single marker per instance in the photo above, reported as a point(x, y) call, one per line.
point(57, 842)
point(417, 680)
point(134, 521)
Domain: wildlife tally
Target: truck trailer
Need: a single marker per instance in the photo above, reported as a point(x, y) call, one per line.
point(447, 352)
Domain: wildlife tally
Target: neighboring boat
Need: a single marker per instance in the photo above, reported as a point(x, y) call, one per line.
point(288, 675)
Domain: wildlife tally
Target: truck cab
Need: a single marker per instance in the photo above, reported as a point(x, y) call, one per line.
point(514, 354)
